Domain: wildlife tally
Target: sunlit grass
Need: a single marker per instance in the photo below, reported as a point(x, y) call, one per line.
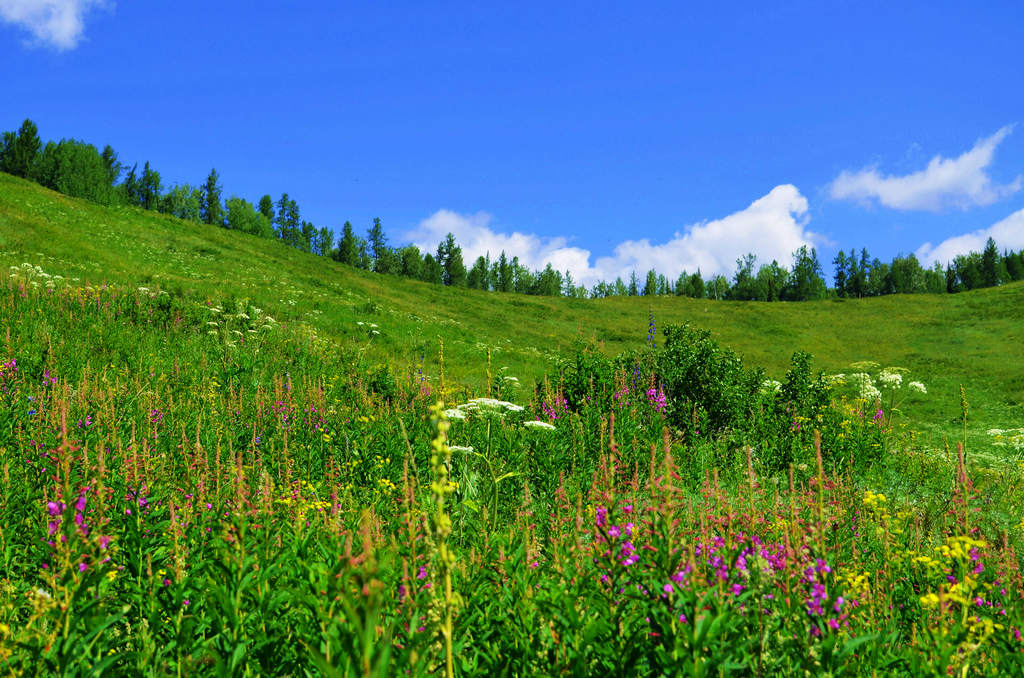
point(218, 457)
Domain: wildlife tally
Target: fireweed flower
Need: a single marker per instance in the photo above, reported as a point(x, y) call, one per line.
point(555, 410)
point(656, 397)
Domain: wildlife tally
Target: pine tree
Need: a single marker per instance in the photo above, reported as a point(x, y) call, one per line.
point(212, 212)
point(149, 188)
point(697, 285)
point(449, 256)
point(863, 271)
point(431, 270)
point(503, 274)
point(570, 289)
point(771, 281)
point(307, 234)
point(19, 152)
point(266, 208)
point(548, 282)
point(411, 262)
point(744, 281)
point(682, 286)
point(324, 242)
point(477, 279)
point(377, 241)
point(805, 281)
point(112, 165)
point(1014, 265)
point(651, 283)
point(348, 246)
point(841, 273)
point(287, 222)
point(130, 188)
point(990, 264)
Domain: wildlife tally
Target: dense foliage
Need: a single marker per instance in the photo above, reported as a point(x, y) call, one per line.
point(191, 487)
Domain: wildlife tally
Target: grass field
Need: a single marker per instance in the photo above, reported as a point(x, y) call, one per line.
point(975, 340)
point(210, 467)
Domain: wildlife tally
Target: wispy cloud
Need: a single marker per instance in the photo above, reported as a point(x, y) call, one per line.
point(58, 23)
point(1008, 234)
point(961, 182)
point(773, 226)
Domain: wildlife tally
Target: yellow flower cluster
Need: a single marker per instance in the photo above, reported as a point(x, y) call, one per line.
point(874, 500)
point(959, 548)
point(856, 583)
point(304, 505)
point(876, 503)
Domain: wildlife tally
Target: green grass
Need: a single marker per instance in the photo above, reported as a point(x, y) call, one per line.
point(192, 490)
point(974, 339)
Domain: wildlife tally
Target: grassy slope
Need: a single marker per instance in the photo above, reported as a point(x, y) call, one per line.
point(975, 339)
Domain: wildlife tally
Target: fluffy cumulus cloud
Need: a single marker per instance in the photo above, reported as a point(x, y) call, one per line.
point(1008, 234)
point(58, 23)
point(946, 182)
point(773, 227)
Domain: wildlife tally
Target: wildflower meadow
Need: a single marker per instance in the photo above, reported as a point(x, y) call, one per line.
point(191, 487)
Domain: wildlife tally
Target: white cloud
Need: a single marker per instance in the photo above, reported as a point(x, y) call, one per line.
point(961, 182)
point(772, 227)
point(1008, 234)
point(58, 23)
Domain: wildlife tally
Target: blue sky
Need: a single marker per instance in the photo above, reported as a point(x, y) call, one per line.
point(604, 137)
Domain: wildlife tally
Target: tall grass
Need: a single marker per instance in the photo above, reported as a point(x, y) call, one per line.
point(195, 486)
point(975, 339)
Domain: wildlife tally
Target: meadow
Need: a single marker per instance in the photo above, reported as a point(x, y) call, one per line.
point(218, 463)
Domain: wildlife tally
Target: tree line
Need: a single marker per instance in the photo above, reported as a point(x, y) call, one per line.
point(78, 169)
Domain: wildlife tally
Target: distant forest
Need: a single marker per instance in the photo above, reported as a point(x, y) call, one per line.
point(78, 169)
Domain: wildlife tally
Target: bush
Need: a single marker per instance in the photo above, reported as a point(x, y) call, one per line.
point(706, 385)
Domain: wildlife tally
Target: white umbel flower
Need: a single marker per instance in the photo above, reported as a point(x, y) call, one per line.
point(890, 379)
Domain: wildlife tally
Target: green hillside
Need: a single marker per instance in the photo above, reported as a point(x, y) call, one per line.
point(975, 339)
point(222, 456)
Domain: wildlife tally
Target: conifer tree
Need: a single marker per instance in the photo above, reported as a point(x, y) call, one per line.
point(378, 242)
point(212, 211)
point(990, 265)
point(266, 208)
point(287, 222)
point(112, 165)
point(19, 152)
point(449, 256)
point(149, 188)
point(841, 275)
point(348, 246)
